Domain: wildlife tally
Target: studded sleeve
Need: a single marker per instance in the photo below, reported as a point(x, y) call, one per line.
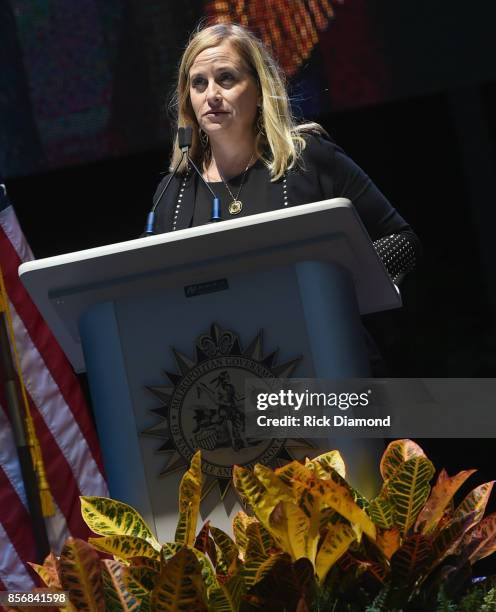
point(398, 253)
point(395, 241)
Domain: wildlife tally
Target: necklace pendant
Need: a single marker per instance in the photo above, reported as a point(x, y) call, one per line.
point(235, 207)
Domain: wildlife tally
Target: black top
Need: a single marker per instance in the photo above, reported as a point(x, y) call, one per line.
point(253, 195)
point(324, 172)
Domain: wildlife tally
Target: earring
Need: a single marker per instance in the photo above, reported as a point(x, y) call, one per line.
point(203, 138)
point(260, 121)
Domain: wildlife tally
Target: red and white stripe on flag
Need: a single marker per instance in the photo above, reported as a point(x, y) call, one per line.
point(62, 421)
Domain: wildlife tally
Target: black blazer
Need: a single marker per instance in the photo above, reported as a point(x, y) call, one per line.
point(323, 172)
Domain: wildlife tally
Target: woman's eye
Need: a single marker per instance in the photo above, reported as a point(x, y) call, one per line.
point(198, 83)
point(227, 77)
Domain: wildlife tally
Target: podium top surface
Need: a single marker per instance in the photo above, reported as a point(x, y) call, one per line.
point(65, 286)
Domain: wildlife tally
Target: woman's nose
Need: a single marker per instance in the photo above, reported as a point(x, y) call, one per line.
point(213, 93)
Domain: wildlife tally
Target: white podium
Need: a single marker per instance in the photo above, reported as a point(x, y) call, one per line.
point(168, 328)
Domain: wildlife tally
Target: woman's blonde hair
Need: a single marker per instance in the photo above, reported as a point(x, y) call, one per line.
point(278, 143)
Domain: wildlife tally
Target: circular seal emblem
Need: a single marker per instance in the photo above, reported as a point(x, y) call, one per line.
point(204, 407)
point(206, 412)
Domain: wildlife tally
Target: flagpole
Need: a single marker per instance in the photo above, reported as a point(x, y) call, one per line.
point(14, 407)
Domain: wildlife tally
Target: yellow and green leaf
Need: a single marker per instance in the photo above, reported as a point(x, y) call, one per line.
point(226, 552)
point(169, 549)
point(189, 502)
point(315, 495)
point(125, 547)
point(144, 575)
point(80, 575)
point(251, 491)
point(279, 529)
point(275, 485)
point(396, 454)
point(295, 472)
point(202, 538)
point(261, 501)
point(140, 579)
point(303, 533)
point(441, 495)
point(109, 517)
point(340, 498)
point(180, 586)
point(152, 565)
point(380, 511)
point(328, 515)
point(49, 572)
point(208, 574)
point(335, 543)
point(408, 490)
point(133, 579)
point(331, 460)
point(117, 597)
point(227, 597)
point(241, 521)
point(255, 570)
point(260, 541)
point(474, 503)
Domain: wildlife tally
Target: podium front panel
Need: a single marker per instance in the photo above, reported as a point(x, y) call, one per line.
point(183, 356)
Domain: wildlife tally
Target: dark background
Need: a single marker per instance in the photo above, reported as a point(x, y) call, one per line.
point(426, 136)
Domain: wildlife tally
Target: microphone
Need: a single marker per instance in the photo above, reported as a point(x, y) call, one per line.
point(215, 214)
point(184, 139)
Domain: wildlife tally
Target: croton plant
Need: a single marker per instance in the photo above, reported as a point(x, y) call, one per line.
point(307, 541)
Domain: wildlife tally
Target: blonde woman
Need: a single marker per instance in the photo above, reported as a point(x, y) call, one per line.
point(253, 155)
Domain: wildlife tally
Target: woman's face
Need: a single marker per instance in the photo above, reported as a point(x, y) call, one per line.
point(223, 92)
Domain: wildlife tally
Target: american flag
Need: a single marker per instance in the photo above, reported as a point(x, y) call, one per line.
point(61, 419)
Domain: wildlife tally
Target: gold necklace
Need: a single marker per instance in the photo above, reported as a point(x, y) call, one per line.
point(236, 206)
